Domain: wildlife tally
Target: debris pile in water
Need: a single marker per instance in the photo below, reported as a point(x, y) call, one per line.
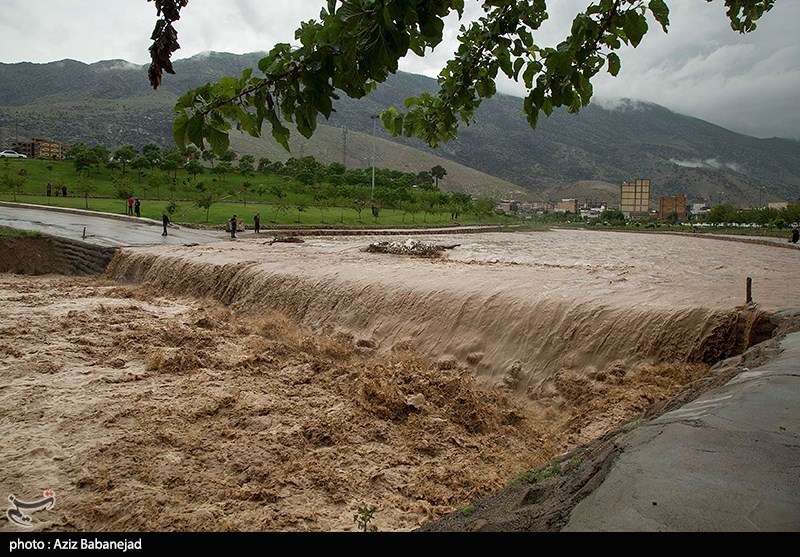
point(408, 247)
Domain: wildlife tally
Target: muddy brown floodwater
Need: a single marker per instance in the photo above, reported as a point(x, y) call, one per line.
point(257, 386)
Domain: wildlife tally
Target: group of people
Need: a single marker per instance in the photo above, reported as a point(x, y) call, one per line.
point(233, 225)
point(134, 207)
point(51, 190)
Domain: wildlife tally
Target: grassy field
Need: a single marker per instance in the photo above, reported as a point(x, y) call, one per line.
point(231, 199)
point(6, 232)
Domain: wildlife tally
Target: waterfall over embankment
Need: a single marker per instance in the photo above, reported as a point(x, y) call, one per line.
point(505, 335)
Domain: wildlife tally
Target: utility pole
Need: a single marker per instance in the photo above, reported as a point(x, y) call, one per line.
point(344, 146)
point(374, 119)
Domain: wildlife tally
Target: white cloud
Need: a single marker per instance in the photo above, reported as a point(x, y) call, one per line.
point(708, 163)
point(702, 68)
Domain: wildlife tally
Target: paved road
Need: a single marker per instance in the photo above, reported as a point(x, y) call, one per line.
point(100, 228)
point(120, 230)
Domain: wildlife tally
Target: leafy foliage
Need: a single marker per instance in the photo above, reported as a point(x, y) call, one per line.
point(354, 47)
point(363, 517)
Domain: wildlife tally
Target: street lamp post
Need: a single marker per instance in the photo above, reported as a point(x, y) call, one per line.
point(372, 195)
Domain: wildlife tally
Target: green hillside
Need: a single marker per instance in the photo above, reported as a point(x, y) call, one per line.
point(587, 155)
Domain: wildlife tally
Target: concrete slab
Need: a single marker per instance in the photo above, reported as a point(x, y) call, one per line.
point(728, 461)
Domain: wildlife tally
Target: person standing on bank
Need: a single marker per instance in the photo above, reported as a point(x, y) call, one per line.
point(130, 206)
point(233, 227)
point(165, 222)
point(257, 223)
point(795, 235)
point(137, 207)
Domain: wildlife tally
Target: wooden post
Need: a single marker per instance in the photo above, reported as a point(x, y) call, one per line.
point(749, 290)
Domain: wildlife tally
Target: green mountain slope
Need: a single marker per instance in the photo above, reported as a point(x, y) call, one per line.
point(587, 155)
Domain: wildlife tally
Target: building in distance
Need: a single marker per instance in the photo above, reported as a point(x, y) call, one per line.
point(635, 198)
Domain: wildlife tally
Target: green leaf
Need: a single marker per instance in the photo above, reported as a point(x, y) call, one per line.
point(194, 129)
point(635, 26)
point(530, 70)
point(660, 11)
point(613, 64)
point(518, 63)
point(218, 140)
point(281, 134)
point(179, 131)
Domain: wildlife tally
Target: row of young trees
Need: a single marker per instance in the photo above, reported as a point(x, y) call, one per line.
point(762, 216)
point(296, 184)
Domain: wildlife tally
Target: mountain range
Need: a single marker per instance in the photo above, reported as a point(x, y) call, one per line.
point(585, 155)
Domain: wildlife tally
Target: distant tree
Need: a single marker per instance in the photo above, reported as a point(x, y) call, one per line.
point(85, 186)
point(329, 192)
point(140, 164)
point(123, 190)
point(278, 190)
point(721, 214)
point(102, 155)
point(276, 167)
point(155, 179)
point(263, 163)
point(245, 189)
point(191, 153)
point(194, 168)
point(73, 151)
point(11, 181)
point(222, 169)
point(205, 200)
point(359, 199)
point(152, 154)
point(84, 160)
point(336, 169)
point(483, 207)
point(429, 201)
point(321, 199)
point(409, 207)
point(209, 157)
point(125, 155)
point(172, 208)
point(301, 205)
point(425, 180)
point(438, 172)
point(791, 214)
point(459, 203)
point(228, 156)
point(113, 166)
point(614, 216)
point(245, 166)
point(171, 161)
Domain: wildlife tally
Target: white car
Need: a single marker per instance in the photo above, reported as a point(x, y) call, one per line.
point(9, 154)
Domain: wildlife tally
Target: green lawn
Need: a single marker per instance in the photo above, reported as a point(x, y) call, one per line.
point(230, 194)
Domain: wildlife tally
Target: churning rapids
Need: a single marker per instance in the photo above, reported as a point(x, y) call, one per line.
point(516, 308)
point(252, 385)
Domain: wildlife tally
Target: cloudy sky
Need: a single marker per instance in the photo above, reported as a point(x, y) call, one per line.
point(746, 83)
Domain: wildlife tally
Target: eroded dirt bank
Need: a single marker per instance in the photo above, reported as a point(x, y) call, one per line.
point(204, 407)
